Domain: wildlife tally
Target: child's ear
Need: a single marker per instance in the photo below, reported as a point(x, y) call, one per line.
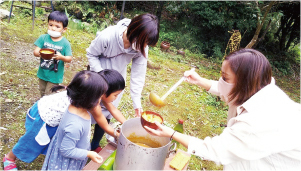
point(64, 29)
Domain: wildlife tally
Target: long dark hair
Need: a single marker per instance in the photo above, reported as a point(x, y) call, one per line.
point(143, 29)
point(252, 71)
point(85, 89)
point(114, 80)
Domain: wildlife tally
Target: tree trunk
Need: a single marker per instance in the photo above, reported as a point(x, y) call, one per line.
point(284, 33)
point(263, 35)
point(292, 37)
point(259, 25)
point(277, 34)
point(159, 11)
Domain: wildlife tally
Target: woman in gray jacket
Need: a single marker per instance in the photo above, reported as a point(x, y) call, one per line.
point(117, 46)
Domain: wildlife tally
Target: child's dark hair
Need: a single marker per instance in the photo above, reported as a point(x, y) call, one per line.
point(85, 89)
point(59, 17)
point(114, 80)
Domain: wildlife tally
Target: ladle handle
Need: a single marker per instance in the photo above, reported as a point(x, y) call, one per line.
point(174, 86)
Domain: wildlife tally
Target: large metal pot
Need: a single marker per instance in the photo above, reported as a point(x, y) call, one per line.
point(130, 156)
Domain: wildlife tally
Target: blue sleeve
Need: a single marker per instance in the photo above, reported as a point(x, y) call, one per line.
point(68, 147)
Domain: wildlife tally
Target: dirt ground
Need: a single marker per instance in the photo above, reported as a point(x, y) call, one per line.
point(19, 90)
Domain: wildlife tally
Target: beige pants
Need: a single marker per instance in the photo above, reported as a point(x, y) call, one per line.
point(45, 87)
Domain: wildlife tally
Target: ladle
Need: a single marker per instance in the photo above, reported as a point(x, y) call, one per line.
point(159, 102)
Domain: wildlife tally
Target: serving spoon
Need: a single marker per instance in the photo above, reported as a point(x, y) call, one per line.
point(159, 102)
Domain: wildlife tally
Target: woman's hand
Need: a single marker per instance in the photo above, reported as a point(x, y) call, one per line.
point(163, 131)
point(192, 77)
point(94, 157)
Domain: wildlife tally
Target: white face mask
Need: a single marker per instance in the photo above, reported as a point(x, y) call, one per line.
point(54, 33)
point(224, 89)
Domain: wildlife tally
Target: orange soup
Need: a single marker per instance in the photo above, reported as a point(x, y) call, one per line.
point(46, 51)
point(151, 118)
point(143, 141)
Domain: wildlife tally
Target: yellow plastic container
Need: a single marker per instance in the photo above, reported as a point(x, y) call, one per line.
point(179, 161)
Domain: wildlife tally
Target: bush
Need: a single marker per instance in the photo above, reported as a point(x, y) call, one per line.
point(294, 53)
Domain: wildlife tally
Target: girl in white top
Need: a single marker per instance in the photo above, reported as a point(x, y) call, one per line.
point(262, 132)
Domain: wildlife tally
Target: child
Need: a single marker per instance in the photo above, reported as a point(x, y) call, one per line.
point(116, 85)
point(69, 148)
point(57, 24)
point(42, 121)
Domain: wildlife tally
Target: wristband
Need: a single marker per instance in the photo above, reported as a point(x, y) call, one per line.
point(172, 134)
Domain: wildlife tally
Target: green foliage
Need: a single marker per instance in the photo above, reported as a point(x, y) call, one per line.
point(208, 22)
point(39, 11)
point(212, 100)
point(282, 67)
point(26, 12)
point(90, 16)
point(217, 52)
point(294, 51)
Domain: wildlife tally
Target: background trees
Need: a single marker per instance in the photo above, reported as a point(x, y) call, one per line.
point(203, 26)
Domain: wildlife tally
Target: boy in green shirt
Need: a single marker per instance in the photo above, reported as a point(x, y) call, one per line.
point(48, 77)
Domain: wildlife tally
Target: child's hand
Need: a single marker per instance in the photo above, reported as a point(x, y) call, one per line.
point(57, 56)
point(94, 156)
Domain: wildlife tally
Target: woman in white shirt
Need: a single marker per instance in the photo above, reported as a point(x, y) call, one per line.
point(263, 129)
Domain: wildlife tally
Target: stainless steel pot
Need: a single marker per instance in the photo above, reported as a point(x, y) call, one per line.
point(130, 156)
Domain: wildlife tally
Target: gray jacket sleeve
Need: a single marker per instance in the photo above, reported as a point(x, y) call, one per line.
point(95, 50)
point(138, 73)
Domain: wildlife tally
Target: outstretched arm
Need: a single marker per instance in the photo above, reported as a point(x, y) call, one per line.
point(115, 112)
point(102, 121)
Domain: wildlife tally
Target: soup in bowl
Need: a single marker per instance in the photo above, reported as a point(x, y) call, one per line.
point(47, 54)
point(148, 118)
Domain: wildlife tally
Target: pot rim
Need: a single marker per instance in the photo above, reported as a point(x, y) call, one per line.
point(163, 146)
point(169, 142)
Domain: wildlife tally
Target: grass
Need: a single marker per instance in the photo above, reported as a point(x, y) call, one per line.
point(201, 112)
